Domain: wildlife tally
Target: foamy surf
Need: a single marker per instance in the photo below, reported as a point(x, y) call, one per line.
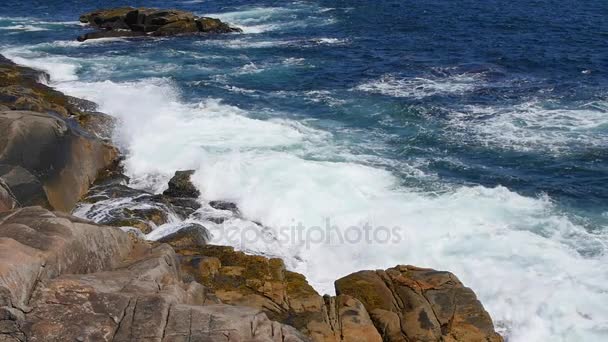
point(256, 20)
point(532, 127)
point(419, 87)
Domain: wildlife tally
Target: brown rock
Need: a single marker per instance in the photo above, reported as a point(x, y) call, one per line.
point(408, 303)
point(129, 22)
point(36, 245)
point(21, 88)
point(190, 235)
point(66, 279)
point(64, 162)
point(258, 282)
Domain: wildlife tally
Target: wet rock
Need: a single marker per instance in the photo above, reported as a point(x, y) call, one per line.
point(180, 186)
point(112, 202)
point(191, 235)
point(183, 207)
point(223, 205)
point(407, 303)
point(40, 148)
point(144, 219)
point(130, 22)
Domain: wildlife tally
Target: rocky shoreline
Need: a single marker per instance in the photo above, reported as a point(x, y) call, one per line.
point(64, 278)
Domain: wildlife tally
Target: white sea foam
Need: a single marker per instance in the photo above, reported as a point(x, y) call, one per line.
point(61, 69)
point(29, 28)
point(533, 127)
point(254, 20)
point(420, 87)
point(518, 253)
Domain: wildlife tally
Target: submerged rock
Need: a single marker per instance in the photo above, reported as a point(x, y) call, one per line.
point(132, 22)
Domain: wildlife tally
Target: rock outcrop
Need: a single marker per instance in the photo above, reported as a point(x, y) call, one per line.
point(404, 303)
point(408, 303)
point(139, 22)
point(52, 145)
point(256, 281)
point(46, 162)
point(23, 88)
point(64, 279)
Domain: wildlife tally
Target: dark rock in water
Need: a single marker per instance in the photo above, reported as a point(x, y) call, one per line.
point(112, 202)
point(144, 219)
point(64, 162)
point(191, 235)
point(132, 22)
point(408, 303)
point(223, 205)
point(183, 207)
point(180, 186)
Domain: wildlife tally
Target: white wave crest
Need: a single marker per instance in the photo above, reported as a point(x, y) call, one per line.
point(420, 87)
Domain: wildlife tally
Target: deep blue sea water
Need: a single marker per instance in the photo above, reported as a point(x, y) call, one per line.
point(478, 128)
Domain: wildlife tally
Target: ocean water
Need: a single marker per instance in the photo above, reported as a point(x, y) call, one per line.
point(468, 136)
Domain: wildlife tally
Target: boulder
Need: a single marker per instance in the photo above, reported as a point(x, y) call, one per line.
point(190, 235)
point(408, 303)
point(65, 279)
point(45, 162)
point(132, 22)
point(180, 186)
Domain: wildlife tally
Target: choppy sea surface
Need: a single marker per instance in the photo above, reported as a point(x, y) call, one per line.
point(469, 136)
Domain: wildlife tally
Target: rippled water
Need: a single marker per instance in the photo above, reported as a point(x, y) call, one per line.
point(478, 128)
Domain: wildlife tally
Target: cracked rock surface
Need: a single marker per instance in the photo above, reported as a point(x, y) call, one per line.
point(66, 279)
